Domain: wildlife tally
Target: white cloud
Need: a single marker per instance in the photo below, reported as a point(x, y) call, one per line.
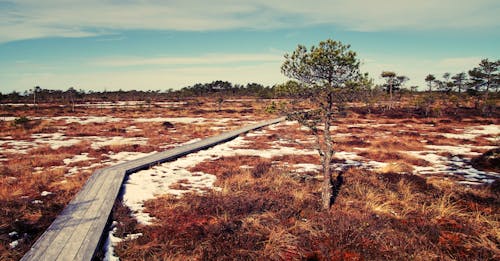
point(458, 63)
point(25, 19)
point(207, 59)
point(190, 70)
point(267, 73)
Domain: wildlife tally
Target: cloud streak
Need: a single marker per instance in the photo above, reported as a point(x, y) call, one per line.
point(207, 59)
point(26, 19)
point(154, 79)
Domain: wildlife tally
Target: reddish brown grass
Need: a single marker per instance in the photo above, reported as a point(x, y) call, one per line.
point(376, 216)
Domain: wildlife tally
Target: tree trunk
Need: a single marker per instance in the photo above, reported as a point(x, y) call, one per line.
point(326, 191)
point(390, 95)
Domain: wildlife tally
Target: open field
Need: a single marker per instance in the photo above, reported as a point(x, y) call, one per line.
point(48, 153)
point(408, 187)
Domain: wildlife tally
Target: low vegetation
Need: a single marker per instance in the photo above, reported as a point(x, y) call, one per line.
point(265, 213)
point(40, 169)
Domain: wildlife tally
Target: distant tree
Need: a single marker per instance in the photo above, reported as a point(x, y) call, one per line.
point(219, 100)
point(390, 78)
point(71, 96)
point(445, 85)
point(364, 90)
point(484, 78)
point(35, 90)
point(459, 80)
point(288, 89)
point(393, 83)
point(430, 79)
point(324, 70)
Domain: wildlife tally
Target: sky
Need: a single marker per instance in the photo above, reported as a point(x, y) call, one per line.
point(158, 45)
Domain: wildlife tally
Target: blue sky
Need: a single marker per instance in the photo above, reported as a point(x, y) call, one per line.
point(157, 45)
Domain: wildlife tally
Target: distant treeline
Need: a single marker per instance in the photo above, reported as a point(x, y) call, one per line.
point(216, 88)
point(477, 84)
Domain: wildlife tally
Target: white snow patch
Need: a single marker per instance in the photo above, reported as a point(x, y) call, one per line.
point(463, 136)
point(132, 128)
point(306, 167)
point(86, 120)
point(484, 130)
point(459, 150)
point(117, 140)
point(14, 244)
point(123, 156)
point(185, 120)
point(78, 158)
point(455, 166)
point(112, 241)
point(45, 193)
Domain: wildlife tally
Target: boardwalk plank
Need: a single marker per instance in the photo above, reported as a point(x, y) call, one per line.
point(76, 232)
point(47, 245)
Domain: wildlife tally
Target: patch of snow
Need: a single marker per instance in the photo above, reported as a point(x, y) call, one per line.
point(132, 128)
point(475, 183)
point(117, 140)
point(86, 120)
point(37, 201)
point(463, 136)
point(54, 140)
point(78, 158)
point(8, 118)
point(371, 125)
point(256, 133)
point(45, 193)
point(123, 156)
point(216, 128)
point(112, 241)
point(463, 149)
point(185, 120)
point(13, 234)
point(455, 166)
point(14, 244)
point(484, 130)
point(306, 167)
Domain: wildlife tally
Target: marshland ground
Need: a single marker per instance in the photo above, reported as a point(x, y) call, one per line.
point(408, 185)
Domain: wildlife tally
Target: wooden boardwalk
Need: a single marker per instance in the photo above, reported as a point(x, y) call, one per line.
point(78, 230)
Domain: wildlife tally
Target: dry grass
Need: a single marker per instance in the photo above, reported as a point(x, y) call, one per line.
point(387, 155)
point(23, 177)
point(275, 217)
point(396, 167)
point(264, 212)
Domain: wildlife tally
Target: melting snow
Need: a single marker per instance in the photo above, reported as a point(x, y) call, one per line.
point(455, 166)
point(459, 150)
point(78, 158)
point(186, 120)
point(124, 156)
point(45, 193)
point(14, 244)
point(117, 140)
point(86, 120)
point(306, 167)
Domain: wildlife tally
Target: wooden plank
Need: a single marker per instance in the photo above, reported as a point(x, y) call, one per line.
point(47, 245)
point(77, 231)
point(91, 216)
